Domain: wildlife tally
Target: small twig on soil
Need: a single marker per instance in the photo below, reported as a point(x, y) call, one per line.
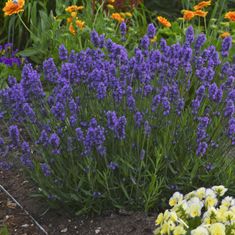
point(26, 212)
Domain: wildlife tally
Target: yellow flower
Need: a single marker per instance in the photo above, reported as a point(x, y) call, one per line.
point(194, 210)
point(201, 13)
point(154, 39)
point(188, 15)
point(117, 17)
point(201, 192)
point(128, 14)
point(175, 199)
point(179, 230)
point(74, 14)
point(210, 201)
point(111, 1)
point(200, 231)
point(165, 228)
point(110, 6)
point(217, 229)
point(230, 15)
point(159, 219)
point(13, 7)
point(201, 5)
point(73, 8)
point(220, 190)
point(224, 34)
point(80, 24)
point(164, 21)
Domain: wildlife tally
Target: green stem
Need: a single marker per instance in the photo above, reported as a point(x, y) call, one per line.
point(25, 24)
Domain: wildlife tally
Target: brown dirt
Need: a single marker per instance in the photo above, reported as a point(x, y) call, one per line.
point(59, 222)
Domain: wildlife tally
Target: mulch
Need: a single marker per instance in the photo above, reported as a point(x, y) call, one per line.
point(60, 222)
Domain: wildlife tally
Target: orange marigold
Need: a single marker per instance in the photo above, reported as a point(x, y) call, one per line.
point(164, 21)
point(13, 7)
point(117, 17)
point(201, 13)
point(188, 15)
point(224, 34)
point(230, 15)
point(69, 19)
point(80, 24)
point(73, 8)
point(201, 5)
point(72, 29)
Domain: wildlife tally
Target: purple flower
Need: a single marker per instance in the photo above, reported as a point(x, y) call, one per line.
point(95, 38)
point(144, 43)
point(147, 128)
point(79, 134)
point(14, 135)
point(111, 119)
point(43, 139)
point(112, 166)
point(54, 140)
point(123, 29)
point(201, 149)
point(50, 71)
point(73, 120)
point(138, 119)
point(131, 103)
point(45, 169)
point(166, 106)
point(29, 112)
point(226, 46)
point(25, 148)
point(189, 35)
point(63, 53)
point(101, 91)
point(229, 109)
point(201, 39)
point(11, 81)
point(120, 127)
point(151, 31)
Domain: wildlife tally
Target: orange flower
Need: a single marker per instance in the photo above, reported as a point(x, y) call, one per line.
point(13, 7)
point(80, 24)
point(72, 29)
point(69, 20)
point(188, 15)
point(164, 21)
point(224, 34)
point(73, 8)
point(201, 13)
point(117, 17)
point(201, 5)
point(230, 15)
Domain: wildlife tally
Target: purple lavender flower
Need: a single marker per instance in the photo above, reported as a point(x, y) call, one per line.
point(50, 71)
point(29, 112)
point(147, 128)
point(101, 91)
point(25, 148)
point(79, 134)
point(95, 38)
point(120, 127)
point(201, 149)
point(131, 103)
point(189, 35)
point(45, 169)
point(73, 120)
point(226, 46)
point(14, 135)
point(138, 119)
point(229, 109)
point(144, 43)
point(123, 29)
point(43, 139)
point(201, 39)
point(151, 31)
point(166, 106)
point(111, 119)
point(54, 140)
point(58, 111)
point(63, 53)
point(113, 166)
point(11, 81)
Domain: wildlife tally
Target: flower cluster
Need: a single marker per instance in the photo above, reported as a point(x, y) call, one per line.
point(111, 122)
point(200, 212)
point(8, 55)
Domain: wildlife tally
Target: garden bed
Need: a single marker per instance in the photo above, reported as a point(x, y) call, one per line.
point(55, 223)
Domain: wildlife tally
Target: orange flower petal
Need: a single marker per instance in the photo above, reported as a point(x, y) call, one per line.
point(13, 8)
point(230, 15)
point(164, 21)
point(201, 5)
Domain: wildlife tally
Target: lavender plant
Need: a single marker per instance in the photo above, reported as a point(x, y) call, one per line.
point(119, 131)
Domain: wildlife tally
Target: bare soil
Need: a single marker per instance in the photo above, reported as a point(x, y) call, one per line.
point(59, 222)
